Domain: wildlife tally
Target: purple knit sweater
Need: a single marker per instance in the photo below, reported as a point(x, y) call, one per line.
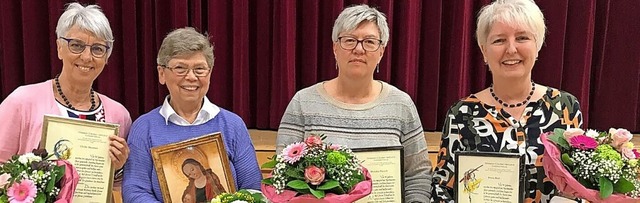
point(140, 182)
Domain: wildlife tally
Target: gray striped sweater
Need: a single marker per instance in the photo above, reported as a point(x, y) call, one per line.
point(389, 120)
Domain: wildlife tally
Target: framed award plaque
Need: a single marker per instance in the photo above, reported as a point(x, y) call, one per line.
point(386, 166)
point(85, 144)
point(489, 177)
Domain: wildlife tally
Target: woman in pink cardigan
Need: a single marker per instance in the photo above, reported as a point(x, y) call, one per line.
point(84, 41)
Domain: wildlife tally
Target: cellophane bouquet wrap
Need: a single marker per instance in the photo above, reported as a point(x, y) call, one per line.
point(313, 171)
point(32, 178)
point(595, 166)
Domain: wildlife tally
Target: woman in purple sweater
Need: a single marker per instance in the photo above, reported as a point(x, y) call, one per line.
point(185, 60)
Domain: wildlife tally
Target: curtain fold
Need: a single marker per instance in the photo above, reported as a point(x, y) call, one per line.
point(265, 51)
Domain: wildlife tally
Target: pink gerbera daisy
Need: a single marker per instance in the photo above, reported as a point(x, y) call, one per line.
point(294, 152)
point(23, 192)
point(583, 142)
point(635, 152)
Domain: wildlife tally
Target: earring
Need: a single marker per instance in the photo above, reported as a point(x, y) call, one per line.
point(336, 65)
point(377, 68)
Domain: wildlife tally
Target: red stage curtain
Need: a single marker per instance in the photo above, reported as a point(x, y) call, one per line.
point(266, 50)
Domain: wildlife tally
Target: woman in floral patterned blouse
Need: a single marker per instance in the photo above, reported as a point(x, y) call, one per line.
point(509, 115)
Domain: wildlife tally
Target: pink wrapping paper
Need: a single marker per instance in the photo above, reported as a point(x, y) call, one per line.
point(360, 190)
point(68, 182)
point(564, 181)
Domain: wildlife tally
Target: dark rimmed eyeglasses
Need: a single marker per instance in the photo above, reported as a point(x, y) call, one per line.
point(77, 47)
point(368, 44)
point(182, 71)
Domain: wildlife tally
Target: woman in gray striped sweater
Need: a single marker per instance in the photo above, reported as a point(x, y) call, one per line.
point(357, 111)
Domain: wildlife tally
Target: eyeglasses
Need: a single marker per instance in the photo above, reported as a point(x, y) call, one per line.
point(368, 44)
point(78, 46)
point(182, 71)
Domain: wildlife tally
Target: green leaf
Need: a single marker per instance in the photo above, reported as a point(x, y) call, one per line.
point(295, 173)
point(557, 138)
point(4, 198)
point(587, 183)
point(566, 159)
point(329, 185)
point(59, 171)
point(268, 181)
point(337, 190)
point(302, 191)
point(623, 186)
point(558, 131)
point(317, 193)
point(606, 187)
point(40, 198)
point(270, 164)
point(298, 184)
point(51, 184)
point(258, 197)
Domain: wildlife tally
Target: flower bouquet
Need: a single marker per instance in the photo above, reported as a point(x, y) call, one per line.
point(595, 166)
point(242, 196)
point(32, 178)
point(313, 171)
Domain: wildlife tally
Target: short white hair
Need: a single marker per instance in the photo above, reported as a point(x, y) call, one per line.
point(351, 17)
point(523, 14)
point(89, 18)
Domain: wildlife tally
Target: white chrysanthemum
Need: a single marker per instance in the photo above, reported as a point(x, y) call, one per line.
point(28, 158)
point(592, 133)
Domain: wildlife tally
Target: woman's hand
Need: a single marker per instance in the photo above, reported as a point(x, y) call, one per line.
point(118, 151)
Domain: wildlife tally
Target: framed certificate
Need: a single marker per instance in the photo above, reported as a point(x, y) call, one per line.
point(193, 170)
point(386, 166)
point(489, 177)
point(85, 144)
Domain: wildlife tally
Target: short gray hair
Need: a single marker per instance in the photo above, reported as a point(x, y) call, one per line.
point(89, 18)
point(520, 13)
point(351, 17)
point(185, 41)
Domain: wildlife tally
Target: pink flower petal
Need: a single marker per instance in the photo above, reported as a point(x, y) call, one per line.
point(22, 192)
point(293, 152)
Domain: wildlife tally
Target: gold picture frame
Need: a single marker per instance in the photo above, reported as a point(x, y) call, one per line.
point(85, 144)
point(183, 166)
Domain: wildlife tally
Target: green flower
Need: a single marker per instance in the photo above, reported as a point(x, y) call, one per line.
point(336, 158)
point(606, 152)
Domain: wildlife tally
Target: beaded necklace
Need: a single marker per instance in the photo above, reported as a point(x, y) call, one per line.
point(66, 101)
point(493, 94)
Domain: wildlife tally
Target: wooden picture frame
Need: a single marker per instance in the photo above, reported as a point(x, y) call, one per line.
point(489, 177)
point(183, 165)
point(386, 166)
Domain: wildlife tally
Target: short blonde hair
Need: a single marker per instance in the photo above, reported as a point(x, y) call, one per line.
point(523, 14)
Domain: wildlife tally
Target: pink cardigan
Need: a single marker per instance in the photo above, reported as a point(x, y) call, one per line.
point(22, 114)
